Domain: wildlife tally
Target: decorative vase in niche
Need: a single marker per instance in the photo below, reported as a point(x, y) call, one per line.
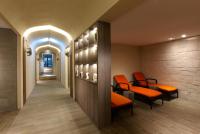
point(76, 73)
point(94, 77)
point(87, 76)
point(81, 74)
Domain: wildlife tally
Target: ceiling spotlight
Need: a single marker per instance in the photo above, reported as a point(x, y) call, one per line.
point(184, 35)
point(171, 38)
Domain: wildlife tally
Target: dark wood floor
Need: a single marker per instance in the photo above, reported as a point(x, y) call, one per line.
point(50, 110)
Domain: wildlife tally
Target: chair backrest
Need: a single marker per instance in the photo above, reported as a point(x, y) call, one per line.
point(138, 76)
point(120, 79)
point(121, 82)
point(140, 79)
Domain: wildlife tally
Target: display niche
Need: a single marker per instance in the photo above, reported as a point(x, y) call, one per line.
point(93, 73)
point(86, 59)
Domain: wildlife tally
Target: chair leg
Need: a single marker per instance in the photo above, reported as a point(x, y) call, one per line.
point(150, 104)
point(112, 115)
point(162, 100)
point(177, 93)
point(132, 109)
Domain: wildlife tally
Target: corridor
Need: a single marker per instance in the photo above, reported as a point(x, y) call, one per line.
point(49, 110)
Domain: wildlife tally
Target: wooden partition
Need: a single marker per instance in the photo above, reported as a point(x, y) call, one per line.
point(93, 72)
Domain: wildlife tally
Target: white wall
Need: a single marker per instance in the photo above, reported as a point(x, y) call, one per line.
point(66, 72)
point(125, 60)
point(64, 68)
point(30, 72)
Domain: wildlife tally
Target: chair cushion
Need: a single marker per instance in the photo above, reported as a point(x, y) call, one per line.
point(164, 87)
point(145, 91)
point(119, 100)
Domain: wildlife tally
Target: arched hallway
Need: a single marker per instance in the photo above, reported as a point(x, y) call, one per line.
point(49, 109)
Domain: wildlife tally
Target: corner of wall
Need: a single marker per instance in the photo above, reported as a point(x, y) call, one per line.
point(19, 71)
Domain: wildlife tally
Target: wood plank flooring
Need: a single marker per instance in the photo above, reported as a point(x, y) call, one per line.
point(51, 110)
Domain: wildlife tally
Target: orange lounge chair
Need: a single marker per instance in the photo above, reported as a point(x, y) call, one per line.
point(143, 82)
point(119, 101)
point(145, 94)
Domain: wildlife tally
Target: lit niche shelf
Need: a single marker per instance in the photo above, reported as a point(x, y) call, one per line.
point(86, 56)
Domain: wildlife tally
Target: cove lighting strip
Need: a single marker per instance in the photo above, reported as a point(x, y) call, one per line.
point(43, 46)
point(47, 27)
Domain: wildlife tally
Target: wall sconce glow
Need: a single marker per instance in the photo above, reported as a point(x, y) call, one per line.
point(29, 51)
point(67, 51)
point(184, 35)
point(48, 45)
point(47, 27)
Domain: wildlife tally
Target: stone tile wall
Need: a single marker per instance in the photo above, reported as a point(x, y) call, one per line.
point(175, 63)
point(8, 70)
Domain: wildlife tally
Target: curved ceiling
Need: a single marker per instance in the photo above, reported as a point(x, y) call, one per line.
point(54, 42)
point(47, 47)
point(49, 29)
point(44, 37)
point(3, 23)
point(154, 21)
point(72, 16)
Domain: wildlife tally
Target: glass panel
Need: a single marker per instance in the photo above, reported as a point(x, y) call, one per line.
point(48, 60)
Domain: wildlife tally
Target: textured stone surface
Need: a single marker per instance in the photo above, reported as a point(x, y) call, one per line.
point(175, 63)
point(8, 70)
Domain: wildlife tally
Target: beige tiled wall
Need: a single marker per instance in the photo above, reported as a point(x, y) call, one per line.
point(175, 63)
point(8, 70)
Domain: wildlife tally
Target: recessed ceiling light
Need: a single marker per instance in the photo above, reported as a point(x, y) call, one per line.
point(184, 35)
point(171, 38)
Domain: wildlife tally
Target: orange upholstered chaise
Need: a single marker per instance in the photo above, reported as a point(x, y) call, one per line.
point(119, 101)
point(143, 82)
point(149, 94)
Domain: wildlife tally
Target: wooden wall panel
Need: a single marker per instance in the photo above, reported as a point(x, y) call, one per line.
point(104, 74)
point(95, 98)
point(86, 96)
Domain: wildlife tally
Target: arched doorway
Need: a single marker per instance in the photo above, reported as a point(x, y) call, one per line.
point(54, 40)
point(48, 63)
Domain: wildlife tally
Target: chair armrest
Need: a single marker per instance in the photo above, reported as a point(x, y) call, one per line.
point(156, 81)
point(132, 82)
point(118, 84)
